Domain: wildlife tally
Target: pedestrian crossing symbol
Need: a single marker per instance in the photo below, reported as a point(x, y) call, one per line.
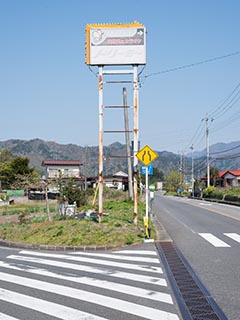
point(146, 155)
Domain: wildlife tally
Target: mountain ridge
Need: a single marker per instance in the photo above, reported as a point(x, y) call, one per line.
point(38, 150)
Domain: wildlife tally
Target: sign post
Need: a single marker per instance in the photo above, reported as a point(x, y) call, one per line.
point(146, 184)
point(146, 155)
point(116, 45)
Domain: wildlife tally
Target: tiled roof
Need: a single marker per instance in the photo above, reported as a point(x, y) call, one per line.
point(61, 163)
point(233, 172)
point(222, 173)
point(120, 174)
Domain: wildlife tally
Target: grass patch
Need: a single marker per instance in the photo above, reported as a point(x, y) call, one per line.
point(117, 228)
point(27, 208)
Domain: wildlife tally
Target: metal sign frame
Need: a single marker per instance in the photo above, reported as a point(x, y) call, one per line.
point(114, 45)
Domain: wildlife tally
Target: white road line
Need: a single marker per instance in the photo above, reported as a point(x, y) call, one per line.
point(233, 236)
point(106, 272)
point(104, 301)
point(49, 308)
point(6, 317)
point(138, 292)
point(140, 252)
point(147, 268)
point(116, 257)
point(214, 240)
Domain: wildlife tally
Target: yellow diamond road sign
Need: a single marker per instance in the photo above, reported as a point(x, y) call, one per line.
point(146, 155)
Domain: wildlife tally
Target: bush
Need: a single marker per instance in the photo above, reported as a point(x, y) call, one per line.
point(208, 192)
point(233, 191)
point(231, 198)
point(212, 193)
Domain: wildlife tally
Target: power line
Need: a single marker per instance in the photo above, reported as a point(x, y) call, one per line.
point(222, 109)
point(231, 156)
point(196, 134)
point(228, 121)
point(192, 64)
point(226, 150)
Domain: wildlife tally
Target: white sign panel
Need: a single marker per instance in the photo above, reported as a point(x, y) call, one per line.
point(117, 45)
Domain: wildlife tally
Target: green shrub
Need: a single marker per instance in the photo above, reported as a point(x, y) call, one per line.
point(129, 239)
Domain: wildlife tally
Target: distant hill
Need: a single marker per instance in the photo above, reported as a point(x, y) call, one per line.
point(38, 150)
point(223, 156)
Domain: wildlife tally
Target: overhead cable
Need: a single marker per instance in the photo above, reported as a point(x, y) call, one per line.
point(192, 64)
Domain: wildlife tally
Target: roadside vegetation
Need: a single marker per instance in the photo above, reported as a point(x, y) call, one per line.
point(225, 195)
point(30, 224)
point(175, 186)
point(44, 222)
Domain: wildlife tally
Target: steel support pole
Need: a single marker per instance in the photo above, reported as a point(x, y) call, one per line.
point(135, 140)
point(146, 189)
point(192, 172)
point(207, 148)
point(100, 152)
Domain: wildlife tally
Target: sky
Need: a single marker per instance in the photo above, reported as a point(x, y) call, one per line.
point(191, 74)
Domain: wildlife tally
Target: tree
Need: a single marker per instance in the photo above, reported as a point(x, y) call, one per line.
point(15, 172)
point(174, 181)
point(24, 181)
point(156, 176)
point(5, 155)
point(214, 176)
point(72, 194)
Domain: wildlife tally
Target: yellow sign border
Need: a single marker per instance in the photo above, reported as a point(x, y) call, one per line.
point(152, 155)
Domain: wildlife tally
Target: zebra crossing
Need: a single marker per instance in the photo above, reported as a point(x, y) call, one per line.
point(219, 243)
point(124, 284)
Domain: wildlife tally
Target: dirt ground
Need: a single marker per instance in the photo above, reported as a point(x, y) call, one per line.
point(9, 218)
point(14, 218)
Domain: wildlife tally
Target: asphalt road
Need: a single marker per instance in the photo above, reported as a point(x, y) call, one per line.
point(208, 235)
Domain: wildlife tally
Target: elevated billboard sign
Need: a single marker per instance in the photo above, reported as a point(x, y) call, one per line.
point(115, 44)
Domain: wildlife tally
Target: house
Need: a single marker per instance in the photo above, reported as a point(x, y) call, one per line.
point(55, 169)
point(57, 174)
point(64, 170)
point(118, 181)
point(230, 178)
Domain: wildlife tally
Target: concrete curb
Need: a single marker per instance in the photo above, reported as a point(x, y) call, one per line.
point(22, 245)
point(162, 234)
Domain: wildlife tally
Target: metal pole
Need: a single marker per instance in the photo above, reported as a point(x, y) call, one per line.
point(130, 186)
point(192, 172)
point(135, 140)
point(100, 153)
point(207, 148)
point(146, 189)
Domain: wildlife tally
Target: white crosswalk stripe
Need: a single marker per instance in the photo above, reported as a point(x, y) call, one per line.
point(117, 257)
point(136, 252)
point(6, 317)
point(116, 274)
point(126, 282)
point(43, 306)
point(233, 236)
point(158, 296)
point(218, 243)
point(102, 262)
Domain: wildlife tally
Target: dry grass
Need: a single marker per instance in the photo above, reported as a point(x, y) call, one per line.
point(115, 229)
